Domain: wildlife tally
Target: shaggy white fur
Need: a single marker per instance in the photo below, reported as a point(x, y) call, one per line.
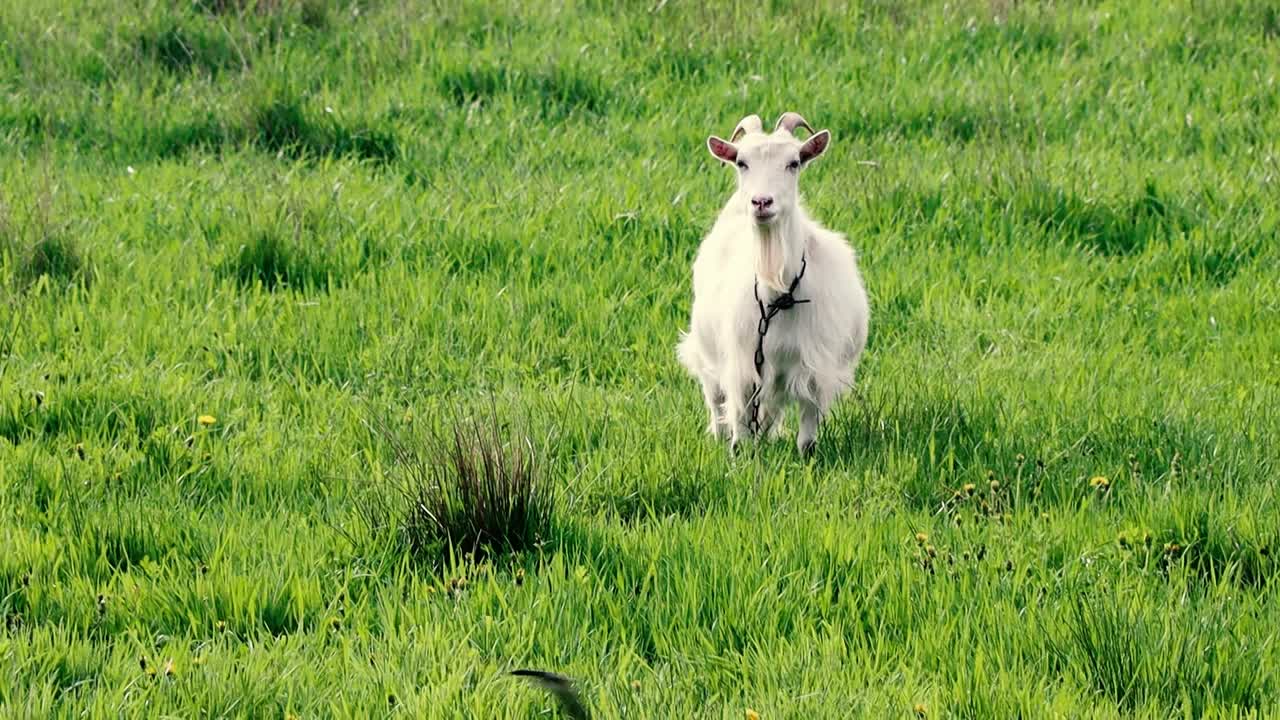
point(760, 240)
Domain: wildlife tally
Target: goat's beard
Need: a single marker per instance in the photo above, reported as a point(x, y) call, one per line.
point(772, 257)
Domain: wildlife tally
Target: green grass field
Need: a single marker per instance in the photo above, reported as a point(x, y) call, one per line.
point(309, 219)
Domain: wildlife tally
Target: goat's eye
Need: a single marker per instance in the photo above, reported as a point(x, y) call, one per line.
point(742, 165)
point(793, 165)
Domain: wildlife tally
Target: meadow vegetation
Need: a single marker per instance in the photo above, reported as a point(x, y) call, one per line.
point(270, 269)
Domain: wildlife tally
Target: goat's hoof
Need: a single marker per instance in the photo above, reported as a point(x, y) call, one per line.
point(736, 444)
point(806, 446)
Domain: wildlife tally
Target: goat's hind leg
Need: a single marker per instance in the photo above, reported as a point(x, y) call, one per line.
point(813, 408)
point(774, 425)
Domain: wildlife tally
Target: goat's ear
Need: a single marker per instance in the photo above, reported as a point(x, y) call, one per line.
point(724, 150)
point(814, 146)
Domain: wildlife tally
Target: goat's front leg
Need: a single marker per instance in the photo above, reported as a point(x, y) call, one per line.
point(714, 398)
point(810, 417)
point(737, 412)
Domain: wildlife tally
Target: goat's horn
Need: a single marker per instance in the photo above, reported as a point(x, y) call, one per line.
point(750, 123)
point(790, 121)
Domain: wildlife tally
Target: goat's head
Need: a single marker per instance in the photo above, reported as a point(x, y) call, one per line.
point(769, 165)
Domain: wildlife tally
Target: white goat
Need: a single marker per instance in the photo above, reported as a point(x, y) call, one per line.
point(779, 311)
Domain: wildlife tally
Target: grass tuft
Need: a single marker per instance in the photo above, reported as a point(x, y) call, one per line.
point(285, 127)
point(1176, 657)
point(311, 13)
point(1108, 228)
point(553, 91)
point(298, 244)
point(274, 261)
point(473, 488)
point(36, 248)
point(181, 49)
point(54, 256)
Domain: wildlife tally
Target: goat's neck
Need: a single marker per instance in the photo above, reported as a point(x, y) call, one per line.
point(780, 247)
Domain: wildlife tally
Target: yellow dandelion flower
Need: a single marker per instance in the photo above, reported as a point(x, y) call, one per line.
point(635, 685)
point(752, 714)
point(922, 538)
point(206, 420)
point(920, 709)
point(969, 488)
point(1099, 482)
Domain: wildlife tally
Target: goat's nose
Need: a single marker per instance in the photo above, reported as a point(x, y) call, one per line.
point(762, 201)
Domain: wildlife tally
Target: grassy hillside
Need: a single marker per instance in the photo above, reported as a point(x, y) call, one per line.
point(326, 224)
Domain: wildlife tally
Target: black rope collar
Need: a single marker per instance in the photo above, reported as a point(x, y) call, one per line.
point(785, 301)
